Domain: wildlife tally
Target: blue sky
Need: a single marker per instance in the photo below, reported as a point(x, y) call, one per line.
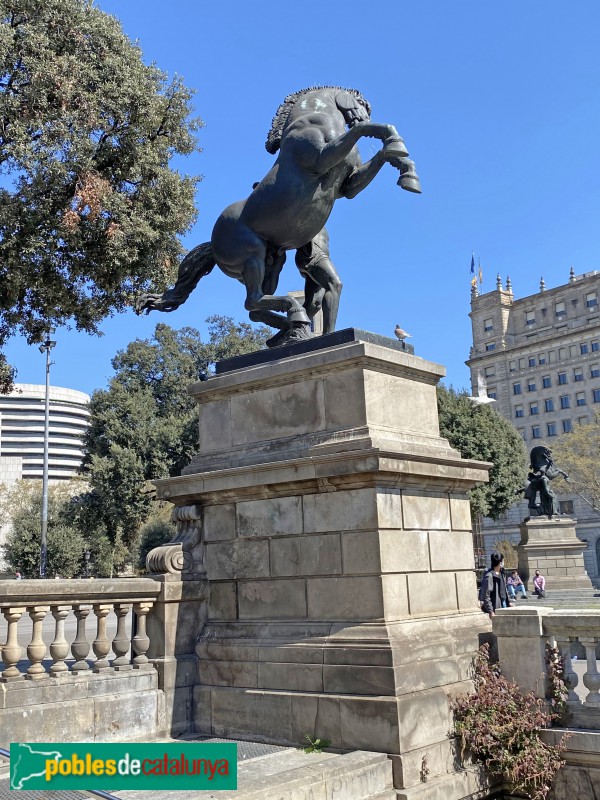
point(498, 104)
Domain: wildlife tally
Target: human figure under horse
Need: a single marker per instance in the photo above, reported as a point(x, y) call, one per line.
point(316, 133)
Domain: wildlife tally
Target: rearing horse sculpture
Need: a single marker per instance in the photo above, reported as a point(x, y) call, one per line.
point(316, 131)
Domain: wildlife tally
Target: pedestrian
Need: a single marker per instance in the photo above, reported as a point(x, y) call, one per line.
point(539, 584)
point(493, 593)
point(17, 575)
point(514, 586)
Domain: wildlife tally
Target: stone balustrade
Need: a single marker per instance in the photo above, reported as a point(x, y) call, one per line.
point(522, 635)
point(90, 602)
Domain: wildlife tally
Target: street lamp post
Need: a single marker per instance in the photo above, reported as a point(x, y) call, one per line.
point(45, 348)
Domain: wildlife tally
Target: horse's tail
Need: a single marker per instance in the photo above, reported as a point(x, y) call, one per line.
point(197, 263)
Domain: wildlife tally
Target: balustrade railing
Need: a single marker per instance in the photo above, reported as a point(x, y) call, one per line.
point(522, 636)
point(79, 602)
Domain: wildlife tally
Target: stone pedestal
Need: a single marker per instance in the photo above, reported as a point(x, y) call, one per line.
point(336, 539)
point(552, 546)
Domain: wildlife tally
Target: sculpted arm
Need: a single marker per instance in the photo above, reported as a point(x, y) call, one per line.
point(362, 176)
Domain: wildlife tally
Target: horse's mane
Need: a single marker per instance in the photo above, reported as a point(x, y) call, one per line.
point(274, 136)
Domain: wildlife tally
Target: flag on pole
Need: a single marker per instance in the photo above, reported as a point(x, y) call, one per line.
point(480, 273)
point(473, 276)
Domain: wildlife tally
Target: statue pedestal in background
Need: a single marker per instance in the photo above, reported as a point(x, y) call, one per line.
point(336, 540)
point(552, 546)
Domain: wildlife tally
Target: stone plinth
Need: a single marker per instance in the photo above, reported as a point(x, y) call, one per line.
point(552, 546)
point(336, 540)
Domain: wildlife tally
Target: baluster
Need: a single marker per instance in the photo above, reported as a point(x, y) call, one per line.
point(59, 649)
point(12, 650)
point(101, 645)
point(36, 649)
point(140, 641)
point(571, 677)
point(591, 679)
point(120, 643)
point(80, 647)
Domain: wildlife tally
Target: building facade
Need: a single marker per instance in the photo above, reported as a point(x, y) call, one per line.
point(22, 432)
point(540, 358)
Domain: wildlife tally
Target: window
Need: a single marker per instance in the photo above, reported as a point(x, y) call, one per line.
point(595, 371)
point(565, 402)
point(573, 350)
point(536, 432)
point(490, 372)
point(562, 353)
point(541, 360)
point(560, 310)
point(562, 378)
point(488, 324)
point(583, 348)
point(551, 429)
point(490, 346)
point(582, 420)
point(492, 393)
point(552, 357)
point(580, 398)
point(516, 388)
point(530, 318)
point(531, 385)
point(566, 506)
point(532, 362)
point(591, 299)
point(519, 411)
point(533, 408)
point(595, 347)
point(546, 382)
point(596, 394)
point(521, 363)
point(567, 426)
point(578, 374)
point(512, 365)
point(549, 404)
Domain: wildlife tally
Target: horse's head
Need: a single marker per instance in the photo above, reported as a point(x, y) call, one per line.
point(349, 102)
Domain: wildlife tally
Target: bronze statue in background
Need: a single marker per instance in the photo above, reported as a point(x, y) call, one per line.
point(543, 470)
point(315, 132)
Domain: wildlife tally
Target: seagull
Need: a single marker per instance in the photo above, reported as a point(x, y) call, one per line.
point(482, 396)
point(402, 335)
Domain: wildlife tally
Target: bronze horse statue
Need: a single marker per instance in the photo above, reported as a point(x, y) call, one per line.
point(316, 131)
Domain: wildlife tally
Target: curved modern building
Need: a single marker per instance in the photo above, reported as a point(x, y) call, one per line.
point(22, 432)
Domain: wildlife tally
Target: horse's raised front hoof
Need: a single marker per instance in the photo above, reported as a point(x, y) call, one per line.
point(394, 145)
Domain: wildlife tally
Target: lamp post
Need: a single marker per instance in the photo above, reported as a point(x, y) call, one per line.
point(45, 348)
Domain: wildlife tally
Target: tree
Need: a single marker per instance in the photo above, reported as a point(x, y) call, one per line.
point(66, 545)
point(91, 211)
point(145, 425)
point(479, 432)
point(577, 453)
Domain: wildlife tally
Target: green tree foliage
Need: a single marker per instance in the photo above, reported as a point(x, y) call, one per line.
point(145, 425)
point(90, 210)
point(479, 432)
point(66, 545)
point(578, 454)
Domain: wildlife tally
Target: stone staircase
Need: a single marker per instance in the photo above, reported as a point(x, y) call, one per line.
point(295, 775)
point(565, 599)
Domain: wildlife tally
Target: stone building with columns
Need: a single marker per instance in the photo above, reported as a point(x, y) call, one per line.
point(540, 358)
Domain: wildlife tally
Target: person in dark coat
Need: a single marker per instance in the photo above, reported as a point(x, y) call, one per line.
point(493, 593)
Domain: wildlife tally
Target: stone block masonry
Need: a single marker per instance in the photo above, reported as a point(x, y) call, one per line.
point(336, 540)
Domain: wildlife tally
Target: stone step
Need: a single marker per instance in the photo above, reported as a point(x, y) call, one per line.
point(295, 775)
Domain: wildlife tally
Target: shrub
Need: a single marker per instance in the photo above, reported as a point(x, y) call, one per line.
point(500, 726)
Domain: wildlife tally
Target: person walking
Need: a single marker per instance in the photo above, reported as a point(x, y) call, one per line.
point(493, 593)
